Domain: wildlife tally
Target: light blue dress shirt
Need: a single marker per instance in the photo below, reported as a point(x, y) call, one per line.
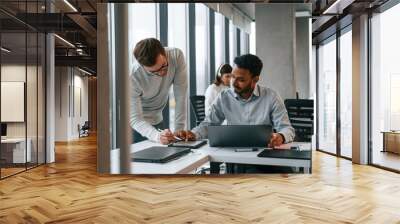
point(263, 107)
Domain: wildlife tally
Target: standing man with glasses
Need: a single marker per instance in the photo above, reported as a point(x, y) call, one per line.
point(155, 70)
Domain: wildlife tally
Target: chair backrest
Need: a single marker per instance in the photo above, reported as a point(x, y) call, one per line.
point(198, 107)
point(301, 115)
point(86, 125)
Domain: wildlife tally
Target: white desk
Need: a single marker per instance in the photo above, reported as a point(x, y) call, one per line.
point(188, 163)
point(16, 147)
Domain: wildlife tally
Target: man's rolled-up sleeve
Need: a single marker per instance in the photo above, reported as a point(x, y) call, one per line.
point(280, 119)
point(136, 119)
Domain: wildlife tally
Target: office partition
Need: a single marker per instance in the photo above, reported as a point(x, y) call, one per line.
point(23, 88)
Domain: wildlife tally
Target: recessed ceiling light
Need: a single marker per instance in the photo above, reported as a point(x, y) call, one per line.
point(70, 5)
point(65, 41)
point(84, 71)
point(5, 50)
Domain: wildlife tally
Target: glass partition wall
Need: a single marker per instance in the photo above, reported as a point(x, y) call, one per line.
point(327, 95)
point(334, 100)
point(22, 77)
point(385, 89)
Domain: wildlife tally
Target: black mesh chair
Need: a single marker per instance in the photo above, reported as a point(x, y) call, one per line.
point(84, 129)
point(198, 107)
point(301, 116)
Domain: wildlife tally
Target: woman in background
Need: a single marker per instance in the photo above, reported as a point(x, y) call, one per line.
point(221, 82)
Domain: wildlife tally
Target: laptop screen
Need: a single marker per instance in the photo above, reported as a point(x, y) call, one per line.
point(239, 135)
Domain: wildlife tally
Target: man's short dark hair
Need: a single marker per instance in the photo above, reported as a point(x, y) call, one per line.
point(147, 50)
point(249, 62)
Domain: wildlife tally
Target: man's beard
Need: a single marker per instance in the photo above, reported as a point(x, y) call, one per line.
point(243, 91)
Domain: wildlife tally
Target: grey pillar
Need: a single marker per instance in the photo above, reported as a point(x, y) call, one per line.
point(226, 33)
point(104, 82)
point(50, 94)
point(163, 21)
point(303, 56)
point(122, 82)
point(275, 38)
point(212, 45)
point(360, 90)
point(192, 59)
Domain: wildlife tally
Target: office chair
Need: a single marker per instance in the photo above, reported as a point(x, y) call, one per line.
point(198, 107)
point(301, 116)
point(84, 130)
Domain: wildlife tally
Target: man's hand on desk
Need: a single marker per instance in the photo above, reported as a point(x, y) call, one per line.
point(276, 140)
point(166, 137)
point(186, 135)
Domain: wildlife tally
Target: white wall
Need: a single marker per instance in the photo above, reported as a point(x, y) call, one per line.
point(33, 126)
point(71, 87)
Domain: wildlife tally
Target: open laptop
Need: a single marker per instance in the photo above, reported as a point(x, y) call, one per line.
point(159, 154)
point(239, 135)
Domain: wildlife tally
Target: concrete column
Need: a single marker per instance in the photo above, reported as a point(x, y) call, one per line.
point(104, 81)
point(275, 33)
point(303, 56)
point(122, 82)
point(50, 99)
point(50, 92)
point(360, 90)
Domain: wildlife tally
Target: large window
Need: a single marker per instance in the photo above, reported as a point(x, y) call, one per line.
point(327, 96)
point(232, 42)
point(219, 40)
point(202, 48)
point(346, 94)
point(140, 28)
point(385, 84)
point(252, 38)
point(177, 23)
point(244, 43)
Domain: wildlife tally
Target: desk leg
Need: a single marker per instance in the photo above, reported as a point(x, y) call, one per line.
point(214, 167)
point(307, 170)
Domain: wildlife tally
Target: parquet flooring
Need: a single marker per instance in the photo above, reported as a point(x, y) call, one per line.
point(70, 191)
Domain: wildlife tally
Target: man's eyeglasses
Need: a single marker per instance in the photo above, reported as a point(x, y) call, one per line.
point(162, 68)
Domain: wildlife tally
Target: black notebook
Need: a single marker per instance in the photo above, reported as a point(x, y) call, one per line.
point(159, 154)
point(285, 154)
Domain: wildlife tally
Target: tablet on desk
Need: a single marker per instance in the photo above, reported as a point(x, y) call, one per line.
point(285, 154)
point(189, 144)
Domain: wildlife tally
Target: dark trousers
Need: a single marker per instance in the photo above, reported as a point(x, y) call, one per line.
point(137, 137)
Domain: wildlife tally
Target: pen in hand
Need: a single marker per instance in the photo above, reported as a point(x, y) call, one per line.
point(176, 138)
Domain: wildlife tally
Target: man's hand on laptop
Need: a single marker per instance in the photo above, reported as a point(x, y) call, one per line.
point(276, 140)
point(186, 135)
point(166, 137)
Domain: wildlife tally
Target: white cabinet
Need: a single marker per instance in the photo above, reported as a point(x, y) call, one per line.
point(13, 150)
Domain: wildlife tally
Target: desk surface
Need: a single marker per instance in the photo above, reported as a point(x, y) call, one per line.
point(200, 156)
point(13, 140)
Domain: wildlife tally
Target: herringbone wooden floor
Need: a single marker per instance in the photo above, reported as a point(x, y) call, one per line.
point(70, 191)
